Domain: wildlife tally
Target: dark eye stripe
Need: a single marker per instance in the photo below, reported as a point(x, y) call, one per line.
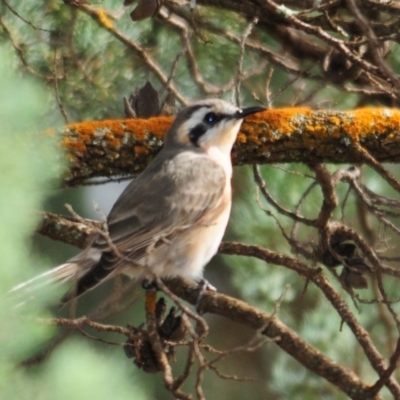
point(209, 120)
point(196, 132)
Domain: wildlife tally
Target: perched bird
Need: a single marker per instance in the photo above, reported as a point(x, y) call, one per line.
point(170, 220)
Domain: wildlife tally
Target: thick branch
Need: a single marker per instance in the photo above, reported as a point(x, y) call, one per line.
point(115, 147)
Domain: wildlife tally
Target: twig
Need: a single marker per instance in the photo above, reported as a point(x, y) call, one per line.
point(239, 74)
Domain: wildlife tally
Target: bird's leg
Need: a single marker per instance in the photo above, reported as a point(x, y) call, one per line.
point(201, 287)
point(208, 286)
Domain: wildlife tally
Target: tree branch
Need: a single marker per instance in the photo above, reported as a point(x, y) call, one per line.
point(312, 274)
point(67, 230)
point(267, 324)
point(115, 147)
point(282, 335)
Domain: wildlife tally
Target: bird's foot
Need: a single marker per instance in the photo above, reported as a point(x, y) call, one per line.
point(201, 288)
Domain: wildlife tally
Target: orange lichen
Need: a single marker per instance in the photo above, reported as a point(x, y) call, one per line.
point(272, 123)
point(260, 116)
point(158, 126)
point(365, 121)
point(84, 129)
point(284, 120)
point(112, 140)
point(140, 150)
point(75, 145)
point(241, 138)
point(260, 129)
point(78, 135)
point(334, 120)
point(104, 19)
point(316, 129)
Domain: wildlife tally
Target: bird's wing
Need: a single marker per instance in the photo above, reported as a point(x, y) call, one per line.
point(171, 195)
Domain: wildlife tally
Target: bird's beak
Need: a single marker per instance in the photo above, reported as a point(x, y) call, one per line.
point(248, 111)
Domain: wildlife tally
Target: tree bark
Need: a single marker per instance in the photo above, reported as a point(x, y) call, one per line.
point(118, 147)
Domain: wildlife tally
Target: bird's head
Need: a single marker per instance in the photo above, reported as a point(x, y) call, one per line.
point(208, 123)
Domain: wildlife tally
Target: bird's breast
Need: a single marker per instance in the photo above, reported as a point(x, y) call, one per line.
point(201, 242)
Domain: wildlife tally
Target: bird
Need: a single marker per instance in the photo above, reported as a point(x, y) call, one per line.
point(170, 220)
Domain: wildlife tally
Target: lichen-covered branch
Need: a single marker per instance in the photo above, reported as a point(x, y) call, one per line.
point(115, 147)
point(67, 230)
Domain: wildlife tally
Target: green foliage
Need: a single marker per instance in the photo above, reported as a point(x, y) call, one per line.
point(29, 164)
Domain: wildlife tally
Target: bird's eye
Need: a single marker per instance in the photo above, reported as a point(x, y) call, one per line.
point(211, 118)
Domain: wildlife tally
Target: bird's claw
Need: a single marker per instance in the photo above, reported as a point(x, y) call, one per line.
point(201, 287)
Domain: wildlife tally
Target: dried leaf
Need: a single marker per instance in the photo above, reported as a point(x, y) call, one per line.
point(146, 9)
point(144, 103)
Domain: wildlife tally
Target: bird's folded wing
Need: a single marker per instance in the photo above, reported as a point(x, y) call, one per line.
point(170, 196)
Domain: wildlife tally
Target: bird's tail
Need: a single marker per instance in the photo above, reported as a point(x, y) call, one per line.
point(73, 269)
point(60, 274)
